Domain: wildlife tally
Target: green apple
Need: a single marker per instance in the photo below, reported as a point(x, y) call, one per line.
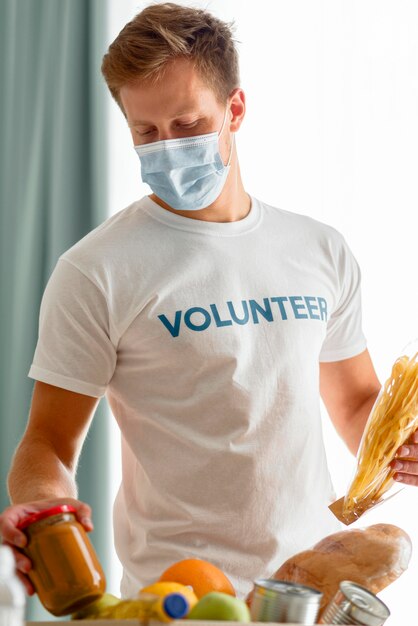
point(93, 610)
point(220, 606)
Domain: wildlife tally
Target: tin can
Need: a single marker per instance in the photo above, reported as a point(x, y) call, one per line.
point(279, 601)
point(354, 604)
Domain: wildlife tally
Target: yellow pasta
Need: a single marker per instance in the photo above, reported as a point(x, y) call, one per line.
point(392, 420)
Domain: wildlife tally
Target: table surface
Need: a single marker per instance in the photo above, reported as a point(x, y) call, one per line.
point(133, 622)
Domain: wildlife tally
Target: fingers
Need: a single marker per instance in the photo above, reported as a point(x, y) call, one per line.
point(83, 512)
point(23, 563)
point(249, 598)
point(30, 590)
point(407, 479)
point(406, 463)
point(405, 467)
point(408, 450)
point(83, 515)
point(8, 530)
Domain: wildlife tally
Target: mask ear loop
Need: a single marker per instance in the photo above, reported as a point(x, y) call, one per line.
point(233, 138)
point(223, 123)
point(232, 146)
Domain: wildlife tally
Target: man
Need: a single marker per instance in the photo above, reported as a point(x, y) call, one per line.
point(211, 321)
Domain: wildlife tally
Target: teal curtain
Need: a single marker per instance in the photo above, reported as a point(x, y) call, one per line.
point(52, 192)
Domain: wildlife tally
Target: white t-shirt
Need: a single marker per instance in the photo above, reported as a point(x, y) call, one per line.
point(206, 339)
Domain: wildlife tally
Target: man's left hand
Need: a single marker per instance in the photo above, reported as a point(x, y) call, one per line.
point(407, 466)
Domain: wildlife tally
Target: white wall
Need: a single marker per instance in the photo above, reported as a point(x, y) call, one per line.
point(330, 131)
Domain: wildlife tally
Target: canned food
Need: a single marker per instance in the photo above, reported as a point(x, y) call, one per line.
point(279, 601)
point(354, 604)
point(65, 570)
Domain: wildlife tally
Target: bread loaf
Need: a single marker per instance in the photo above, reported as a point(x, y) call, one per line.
point(372, 557)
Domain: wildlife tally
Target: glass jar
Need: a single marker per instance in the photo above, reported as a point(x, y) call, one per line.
point(66, 572)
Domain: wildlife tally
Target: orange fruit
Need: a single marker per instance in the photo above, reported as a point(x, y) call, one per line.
point(203, 576)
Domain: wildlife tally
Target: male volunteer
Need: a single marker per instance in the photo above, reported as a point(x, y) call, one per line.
point(211, 321)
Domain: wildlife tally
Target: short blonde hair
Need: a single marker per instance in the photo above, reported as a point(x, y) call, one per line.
point(164, 31)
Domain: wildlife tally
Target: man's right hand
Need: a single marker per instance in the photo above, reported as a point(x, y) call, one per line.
point(16, 538)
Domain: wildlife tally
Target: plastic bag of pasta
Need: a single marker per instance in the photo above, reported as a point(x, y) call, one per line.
point(392, 420)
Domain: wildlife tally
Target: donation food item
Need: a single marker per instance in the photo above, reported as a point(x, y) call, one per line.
point(393, 418)
point(353, 604)
point(145, 607)
point(372, 557)
point(200, 574)
point(94, 609)
point(285, 602)
point(220, 606)
point(66, 573)
point(162, 589)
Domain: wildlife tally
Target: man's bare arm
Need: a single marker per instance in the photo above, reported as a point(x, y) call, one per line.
point(44, 464)
point(349, 389)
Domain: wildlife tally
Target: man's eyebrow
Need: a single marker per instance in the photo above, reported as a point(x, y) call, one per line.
point(143, 122)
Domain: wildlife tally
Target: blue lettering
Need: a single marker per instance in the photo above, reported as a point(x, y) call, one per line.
point(172, 329)
point(323, 308)
point(189, 323)
point(312, 307)
point(281, 306)
point(296, 307)
point(303, 307)
point(266, 312)
point(217, 319)
point(234, 315)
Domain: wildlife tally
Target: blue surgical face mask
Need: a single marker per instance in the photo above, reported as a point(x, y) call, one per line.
point(187, 173)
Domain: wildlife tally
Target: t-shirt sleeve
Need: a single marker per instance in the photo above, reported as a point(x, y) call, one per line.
point(344, 337)
point(74, 349)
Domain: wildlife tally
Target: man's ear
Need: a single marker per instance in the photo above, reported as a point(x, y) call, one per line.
point(237, 106)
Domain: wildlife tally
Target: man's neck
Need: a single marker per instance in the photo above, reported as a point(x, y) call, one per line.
point(226, 211)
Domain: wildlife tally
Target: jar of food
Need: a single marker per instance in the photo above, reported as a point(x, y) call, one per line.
point(66, 572)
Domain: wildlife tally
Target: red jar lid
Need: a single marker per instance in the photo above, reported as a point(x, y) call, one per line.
point(35, 517)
